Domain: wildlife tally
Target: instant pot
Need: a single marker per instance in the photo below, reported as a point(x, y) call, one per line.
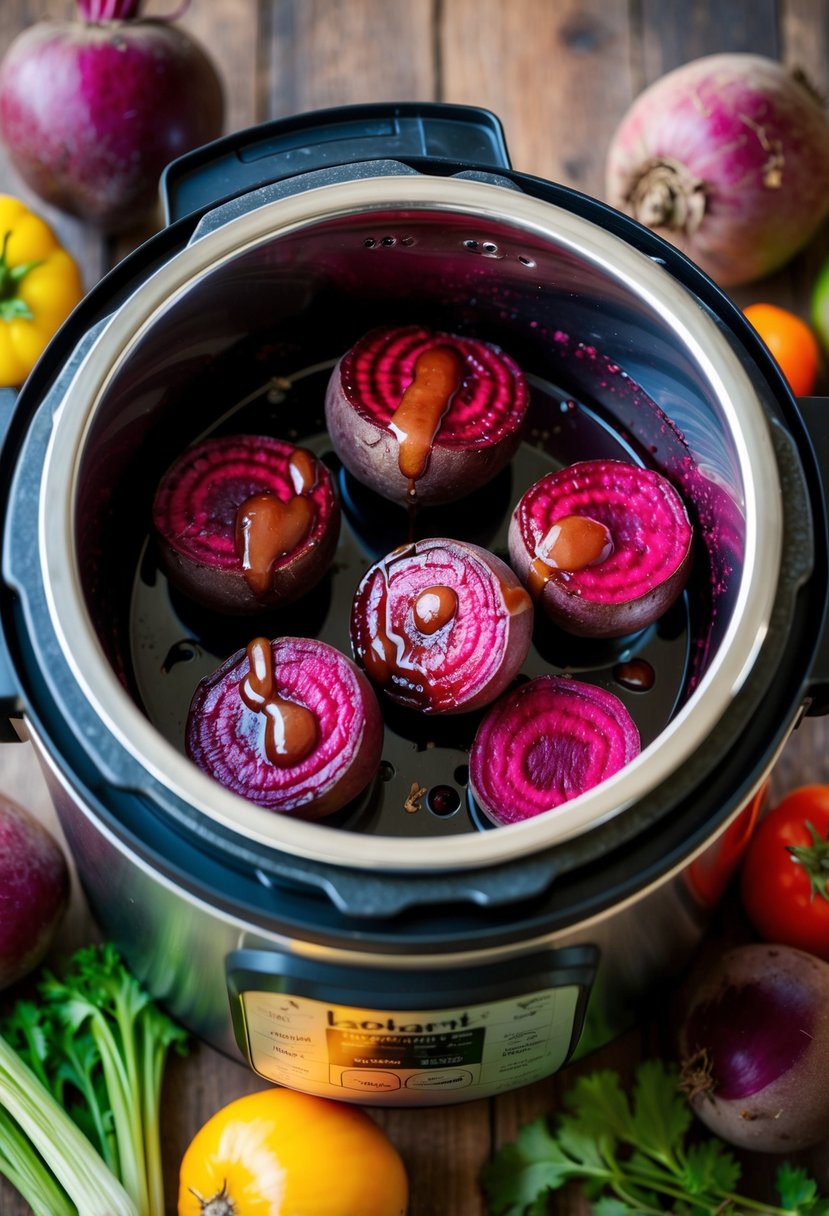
point(404, 951)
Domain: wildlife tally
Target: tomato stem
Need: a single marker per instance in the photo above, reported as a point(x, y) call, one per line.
point(219, 1204)
point(814, 858)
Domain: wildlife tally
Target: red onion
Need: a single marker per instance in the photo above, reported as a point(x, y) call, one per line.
point(754, 1047)
point(442, 626)
point(92, 110)
point(727, 157)
point(290, 724)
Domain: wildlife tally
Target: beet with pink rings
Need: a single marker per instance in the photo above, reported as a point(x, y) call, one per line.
point(550, 740)
point(425, 417)
point(442, 626)
point(246, 522)
point(291, 724)
point(604, 547)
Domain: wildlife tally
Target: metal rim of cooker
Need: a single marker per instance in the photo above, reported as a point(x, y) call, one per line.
point(636, 272)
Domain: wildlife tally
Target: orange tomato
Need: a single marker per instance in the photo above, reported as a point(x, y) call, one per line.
point(791, 342)
point(283, 1153)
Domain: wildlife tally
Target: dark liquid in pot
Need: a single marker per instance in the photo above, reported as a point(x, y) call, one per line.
point(421, 788)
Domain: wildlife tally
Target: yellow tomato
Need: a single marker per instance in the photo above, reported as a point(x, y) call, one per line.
point(792, 343)
point(40, 284)
point(284, 1153)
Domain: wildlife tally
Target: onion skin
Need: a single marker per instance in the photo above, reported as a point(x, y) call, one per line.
point(477, 650)
point(726, 157)
point(754, 1048)
point(225, 738)
point(91, 113)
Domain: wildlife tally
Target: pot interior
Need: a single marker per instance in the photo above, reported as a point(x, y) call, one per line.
point(246, 342)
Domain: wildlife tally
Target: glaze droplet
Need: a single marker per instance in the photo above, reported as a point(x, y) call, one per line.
point(291, 730)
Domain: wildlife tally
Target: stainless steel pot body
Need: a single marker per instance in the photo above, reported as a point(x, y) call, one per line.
point(368, 1023)
point(389, 957)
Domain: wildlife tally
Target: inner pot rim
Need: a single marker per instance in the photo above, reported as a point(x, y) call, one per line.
point(696, 332)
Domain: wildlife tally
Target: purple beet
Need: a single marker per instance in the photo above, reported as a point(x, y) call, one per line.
point(34, 891)
point(92, 109)
point(604, 547)
point(291, 724)
point(246, 522)
point(442, 626)
point(424, 417)
point(550, 740)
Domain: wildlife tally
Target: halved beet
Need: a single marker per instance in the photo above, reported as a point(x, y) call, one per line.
point(442, 626)
point(291, 724)
point(246, 522)
point(425, 417)
point(603, 546)
point(550, 740)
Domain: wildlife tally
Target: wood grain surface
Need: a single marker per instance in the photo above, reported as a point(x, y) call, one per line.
point(559, 74)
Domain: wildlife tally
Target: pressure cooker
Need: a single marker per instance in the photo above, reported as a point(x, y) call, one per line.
point(392, 955)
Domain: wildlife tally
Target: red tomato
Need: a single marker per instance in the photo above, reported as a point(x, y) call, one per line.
point(784, 883)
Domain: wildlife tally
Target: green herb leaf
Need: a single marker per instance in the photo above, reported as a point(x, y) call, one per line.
point(599, 1104)
point(661, 1116)
point(522, 1173)
point(795, 1188)
point(97, 1043)
point(610, 1206)
point(710, 1168)
point(632, 1158)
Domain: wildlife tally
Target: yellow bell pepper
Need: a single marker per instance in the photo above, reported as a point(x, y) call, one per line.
point(40, 284)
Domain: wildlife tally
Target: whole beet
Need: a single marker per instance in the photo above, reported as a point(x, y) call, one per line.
point(92, 111)
point(34, 891)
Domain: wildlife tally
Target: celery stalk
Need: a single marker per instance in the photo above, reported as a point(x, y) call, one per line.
point(81, 1171)
point(28, 1175)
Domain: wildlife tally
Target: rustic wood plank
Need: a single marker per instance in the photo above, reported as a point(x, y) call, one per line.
point(674, 33)
point(322, 53)
point(228, 31)
point(555, 74)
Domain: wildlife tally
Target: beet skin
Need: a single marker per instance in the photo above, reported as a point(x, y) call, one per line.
point(34, 891)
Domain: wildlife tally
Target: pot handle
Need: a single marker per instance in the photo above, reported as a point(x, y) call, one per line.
point(10, 703)
point(272, 151)
point(815, 414)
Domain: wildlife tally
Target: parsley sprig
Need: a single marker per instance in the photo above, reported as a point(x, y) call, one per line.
point(633, 1157)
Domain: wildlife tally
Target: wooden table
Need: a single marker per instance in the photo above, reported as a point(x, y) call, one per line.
point(559, 73)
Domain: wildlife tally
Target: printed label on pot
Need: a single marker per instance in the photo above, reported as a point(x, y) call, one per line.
point(364, 1054)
